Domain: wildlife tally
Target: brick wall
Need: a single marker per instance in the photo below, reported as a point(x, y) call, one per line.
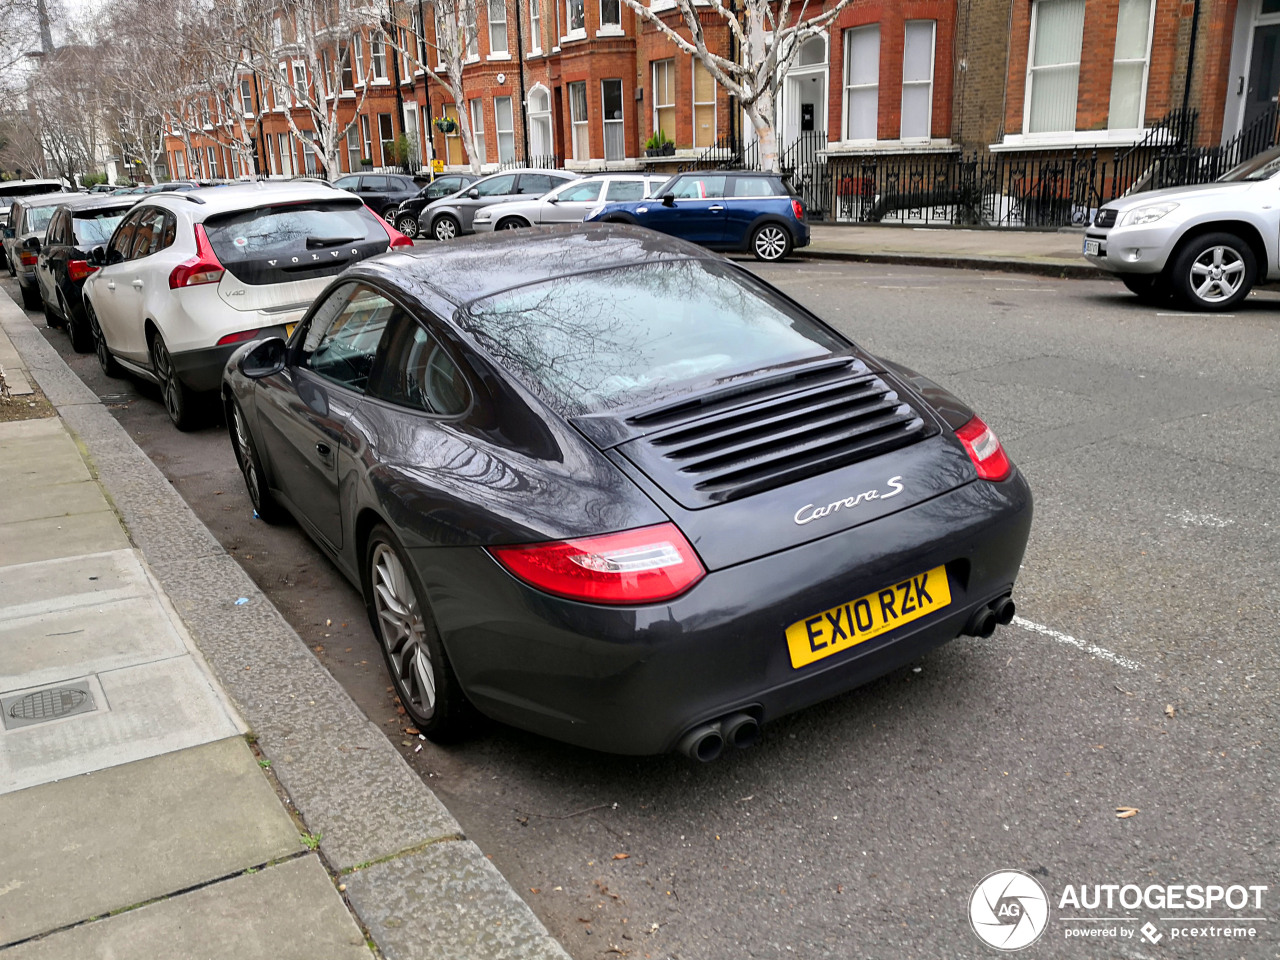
point(981, 66)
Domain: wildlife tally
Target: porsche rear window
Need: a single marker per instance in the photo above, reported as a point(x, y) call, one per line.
point(637, 334)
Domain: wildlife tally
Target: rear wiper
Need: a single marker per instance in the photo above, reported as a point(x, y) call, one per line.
point(314, 242)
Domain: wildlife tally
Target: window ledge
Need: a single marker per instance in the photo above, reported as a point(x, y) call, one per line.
point(843, 147)
point(499, 56)
point(381, 82)
point(1068, 140)
point(475, 58)
point(534, 53)
point(574, 35)
point(608, 31)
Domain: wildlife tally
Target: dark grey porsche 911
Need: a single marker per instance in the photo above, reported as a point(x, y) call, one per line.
point(609, 487)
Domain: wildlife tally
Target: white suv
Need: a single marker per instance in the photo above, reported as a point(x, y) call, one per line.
point(187, 277)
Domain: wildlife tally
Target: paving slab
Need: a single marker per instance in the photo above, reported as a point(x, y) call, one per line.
point(447, 902)
point(149, 709)
point(51, 537)
point(108, 840)
point(17, 383)
point(34, 501)
point(289, 911)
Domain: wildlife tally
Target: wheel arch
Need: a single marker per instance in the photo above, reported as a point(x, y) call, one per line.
point(1245, 230)
point(522, 220)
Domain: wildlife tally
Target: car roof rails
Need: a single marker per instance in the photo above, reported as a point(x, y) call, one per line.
point(184, 195)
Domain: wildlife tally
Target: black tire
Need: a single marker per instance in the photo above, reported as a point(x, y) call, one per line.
point(408, 225)
point(1151, 288)
point(771, 242)
point(511, 223)
point(179, 402)
point(1213, 272)
point(445, 227)
point(264, 503)
point(105, 360)
point(30, 297)
point(77, 327)
point(51, 316)
point(406, 631)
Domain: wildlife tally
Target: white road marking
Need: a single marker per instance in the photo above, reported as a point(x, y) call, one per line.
point(1216, 316)
point(1090, 648)
point(1189, 519)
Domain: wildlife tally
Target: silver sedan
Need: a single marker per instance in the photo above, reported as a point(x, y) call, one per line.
point(1204, 246)
point(567, 204)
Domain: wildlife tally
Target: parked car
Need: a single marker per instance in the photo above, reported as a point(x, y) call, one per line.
point(1204, 246)
point(170, 186)
point(568, 203)
point(406, 215)
point(12, 189)
point(381, 192)
point(102, 188)
point(77, 226)
point(608, 488)
point(187, 276)
point(724, 210)
point(28, 218)
point(451, 216)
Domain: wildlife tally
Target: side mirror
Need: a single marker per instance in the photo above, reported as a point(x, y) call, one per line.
point(32, 244)
point(97, 256)
point(473, 193)
point(263, 359)
point(668, 199)
point(553, 199)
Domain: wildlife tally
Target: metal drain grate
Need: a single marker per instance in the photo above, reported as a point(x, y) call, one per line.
point(24, 710)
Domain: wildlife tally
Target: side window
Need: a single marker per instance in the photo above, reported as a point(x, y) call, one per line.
point(122, 240)
point(626, 190)
point(443, 187)
point(581, 192)
point(146, 238)
point(347, 183)
point(754, 187)
point(342, 340)
point(497, 186)
point(170, 232)
point(374, 183)
point(536, 184)
point(53, 234)
point(418, 372)
point(699, 187)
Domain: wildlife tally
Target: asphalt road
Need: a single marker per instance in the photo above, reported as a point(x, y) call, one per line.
point(1143, 673)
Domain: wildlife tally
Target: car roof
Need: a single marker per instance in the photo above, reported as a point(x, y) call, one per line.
point(8, 185)
point(474, 267)
point(98, 201)
point(41, 199)
point(567, 174)
point(207, 201)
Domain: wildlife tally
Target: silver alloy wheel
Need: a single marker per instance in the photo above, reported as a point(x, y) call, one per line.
point(169, 384)
point(244, 451)
point(408, 226)
point(403, 632)
point(1216, 275)
point(770, 243)
point(445, 228)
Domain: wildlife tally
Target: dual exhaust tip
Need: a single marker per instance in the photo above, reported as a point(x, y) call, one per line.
point(985, 619)
point(707, 741)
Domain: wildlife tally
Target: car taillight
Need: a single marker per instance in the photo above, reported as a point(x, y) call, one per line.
point(202, 268)
point(27, 258)
point(984, 450)
point(79, 270)
point(397, 238)
point(797, 208)
point(240, 337)
point(645, 565)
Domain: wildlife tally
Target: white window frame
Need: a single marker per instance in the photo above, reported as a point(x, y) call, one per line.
point(849, 88)
point(284, 151)
point(277, 34)
point(383, 141)
point(366, 139)
point(496, 53)
point(299, 83)
point(1146, 72)
point(353, 149)
point(577, 126)
point(933, 53)
point(693, 99)
point(357, 59)
point(377, 60)
point(539, 116)
point(1032, 68)
point(246, 96)
point(284, 87)
point(669, 64)
point(476, 106)
point(572, 32)
point(618, 127)
point(473, 33)
point(506, 137)
point(535, 26)
point(610, 28)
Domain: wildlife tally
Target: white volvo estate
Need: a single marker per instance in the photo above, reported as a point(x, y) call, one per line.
point(186, 277)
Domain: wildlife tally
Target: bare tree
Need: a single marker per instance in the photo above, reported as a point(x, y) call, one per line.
point(768, 37)
point(455, 38)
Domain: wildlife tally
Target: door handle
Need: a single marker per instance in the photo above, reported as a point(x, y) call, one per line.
point(111, 284)
point(716, 209)
point(136, 283)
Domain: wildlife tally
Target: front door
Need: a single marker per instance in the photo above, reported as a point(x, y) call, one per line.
point(698, 214)
point(1263, 92)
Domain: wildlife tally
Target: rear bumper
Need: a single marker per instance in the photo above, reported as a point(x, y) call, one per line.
point(633, 680)
point(201, 370)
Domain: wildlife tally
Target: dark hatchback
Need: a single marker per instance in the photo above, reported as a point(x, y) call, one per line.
point(381, 192)
point(741, 211)
point(406, 215)
point(62, 264)
point(603, 486)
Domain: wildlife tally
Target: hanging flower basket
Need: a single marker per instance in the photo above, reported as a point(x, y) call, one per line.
point(446, 124)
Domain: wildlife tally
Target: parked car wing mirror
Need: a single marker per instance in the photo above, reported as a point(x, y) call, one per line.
point(264, 359)
point(668, 199)
point(473, 193)
point(32, 244)
point(553, 199)
point(97, 256)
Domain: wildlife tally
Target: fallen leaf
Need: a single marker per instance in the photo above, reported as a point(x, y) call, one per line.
point(413, 730)
point(622, 856)
point(1168, 710)
point(535, 890)
point(1124, 813)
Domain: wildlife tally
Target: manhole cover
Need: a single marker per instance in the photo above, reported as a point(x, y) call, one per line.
point(23, 710)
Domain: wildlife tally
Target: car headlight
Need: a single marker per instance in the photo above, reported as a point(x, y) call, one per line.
point(482, 218)
point(1148, 214)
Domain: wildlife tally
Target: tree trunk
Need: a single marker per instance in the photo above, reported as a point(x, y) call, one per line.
point(760, 113)
point(464, 123)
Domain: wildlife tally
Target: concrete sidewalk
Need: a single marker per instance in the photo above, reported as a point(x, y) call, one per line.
point(179, 776)
point(1045, 252)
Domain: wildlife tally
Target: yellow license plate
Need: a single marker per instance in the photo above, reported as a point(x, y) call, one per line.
point(860, 620)
point(288, 330)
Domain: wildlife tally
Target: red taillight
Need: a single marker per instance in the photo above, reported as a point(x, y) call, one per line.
point(637, 566)
point(202, 268)
point(984, 450)
point(797, 208)
point(397, 238)
point(27, 258)
point(240, 337)
point(79, 270)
